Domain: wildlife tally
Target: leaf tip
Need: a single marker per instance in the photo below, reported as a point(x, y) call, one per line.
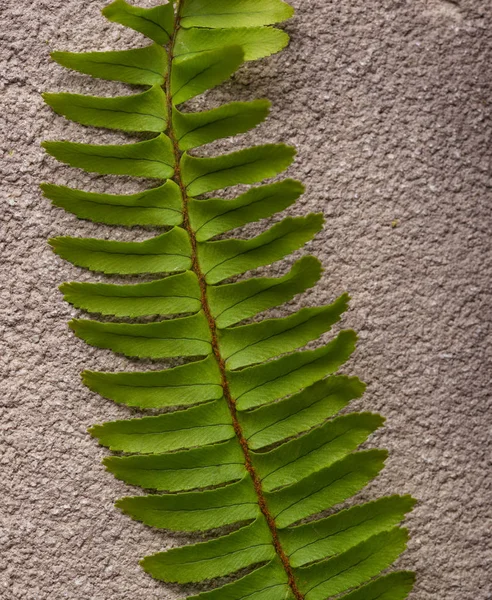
point(57, 56)
point(74, 325)
point(405, 534)
point(300, 186)
point(120, 504)
point(384, 453)
point(316, 220)
point(93, 431)
point(53, 243)
point(143, 562)
point(109, 462)
point(412, 502)
point(65, 288)
point(289, 10)
point(344, 301)
point(236, 51)
point(87, 378)
point(108, 10)
point(49, 146)
point(410, 578)
point(358, 386)
point(350, 334)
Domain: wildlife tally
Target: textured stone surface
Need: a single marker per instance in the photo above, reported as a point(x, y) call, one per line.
point(388, 102)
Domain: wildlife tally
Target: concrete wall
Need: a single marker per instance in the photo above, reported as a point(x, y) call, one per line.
point(388, 102)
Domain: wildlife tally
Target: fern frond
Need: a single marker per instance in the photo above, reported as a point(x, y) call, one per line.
point(252, 436)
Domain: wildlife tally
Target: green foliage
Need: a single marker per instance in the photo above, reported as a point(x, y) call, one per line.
point(158, 206)
point(195, 129)
point(172, 295)
point(140, 112)
point(256, 42)
point(217, 14)
point(153, 158)
point(249, 433)
point(167, 252)
point(188, 384)
point(155, 23)
point(143, 66)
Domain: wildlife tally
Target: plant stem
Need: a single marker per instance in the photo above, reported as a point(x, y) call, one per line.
point(213, 329)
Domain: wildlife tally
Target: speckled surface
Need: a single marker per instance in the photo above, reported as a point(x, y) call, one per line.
point(388, 102)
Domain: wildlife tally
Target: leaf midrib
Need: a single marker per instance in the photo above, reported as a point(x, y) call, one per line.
point(213, 330)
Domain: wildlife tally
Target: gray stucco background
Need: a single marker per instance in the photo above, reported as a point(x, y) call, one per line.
point(388, 103)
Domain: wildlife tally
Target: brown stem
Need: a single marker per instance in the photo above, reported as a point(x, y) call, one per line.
point(213, 330)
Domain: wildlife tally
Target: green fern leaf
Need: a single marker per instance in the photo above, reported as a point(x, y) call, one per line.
point(338, 533)
point(250, 545)
point(153, 158)
point(189, 384)
point(238, 13)
point(259, 385)
point(353, 567)
point(248, 344)
point(143, 66)
point(167, 252)
point(395, 586)
point(255, 42)
point(325, 488)
point(195, 129)
point(177, 471)
point(230, 303)
point(172, 295)
point(251, 435)
point(140, 112)
point(155, 23)
point(223, 259)
point(193, 76)
point(213, 217)
point(202, 175)
point(157, 206)
point(195, 511)
point(266, 583)
point(205, 424)
point(321, 447)
point(300, 412)
point(188, 336)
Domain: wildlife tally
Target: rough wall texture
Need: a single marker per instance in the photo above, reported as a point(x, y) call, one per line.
point(388, 104)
